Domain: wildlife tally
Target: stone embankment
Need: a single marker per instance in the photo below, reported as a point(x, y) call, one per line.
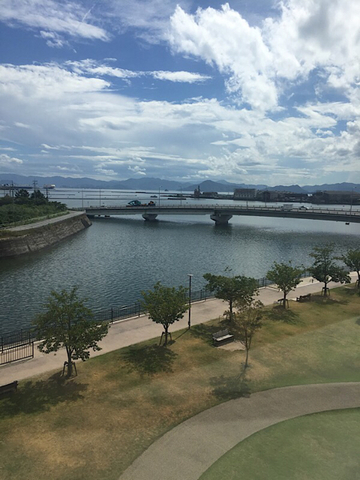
point(36, 236)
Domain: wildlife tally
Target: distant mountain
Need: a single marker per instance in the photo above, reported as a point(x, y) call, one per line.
point(148, 183)
point(337, 187)
point(211, 186)
point(289, 188)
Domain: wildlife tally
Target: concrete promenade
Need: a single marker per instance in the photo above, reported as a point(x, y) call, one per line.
point(134, 330)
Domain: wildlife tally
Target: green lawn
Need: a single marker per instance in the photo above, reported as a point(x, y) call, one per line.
point(94, 425)
point(323, 446)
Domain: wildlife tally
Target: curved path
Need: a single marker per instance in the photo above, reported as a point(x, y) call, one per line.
point(185, 452)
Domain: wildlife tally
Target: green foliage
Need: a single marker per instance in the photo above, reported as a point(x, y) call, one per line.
point(165, 305)
point(22, 197)
point(286, 277)
point(68, 323)
point(352, 260)
point(38, 198)
point(325, 269)
point(238, 290)
point(16, 213)
point(246, 323)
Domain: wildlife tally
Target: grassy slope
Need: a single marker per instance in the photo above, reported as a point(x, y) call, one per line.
point(96, 424)
point(323, 446)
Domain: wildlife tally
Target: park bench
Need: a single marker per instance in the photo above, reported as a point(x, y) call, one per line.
point(8, 388)
point(304, 298)
point(222, 337)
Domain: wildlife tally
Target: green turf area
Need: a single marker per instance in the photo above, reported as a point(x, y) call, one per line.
point(94, 425)
point(323, 446)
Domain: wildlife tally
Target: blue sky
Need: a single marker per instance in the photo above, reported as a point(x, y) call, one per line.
point(248, 91)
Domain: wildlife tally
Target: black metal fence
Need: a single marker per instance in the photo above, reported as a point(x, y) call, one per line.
point(16, 346)
point(19, 344)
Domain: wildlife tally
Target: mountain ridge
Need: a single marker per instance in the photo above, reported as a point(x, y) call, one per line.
point(150, 183)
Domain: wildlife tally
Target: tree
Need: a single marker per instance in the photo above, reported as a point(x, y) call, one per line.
point(325, 269)
point(38, 198)
point(247, 321)
point(239, 289)
point(352, 260)
point(286, 277)
point(165, 305)
point(22, 196)
point(68, 323)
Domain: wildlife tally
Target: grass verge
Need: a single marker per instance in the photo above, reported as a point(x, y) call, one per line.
point(323, 446)
point(94, 425)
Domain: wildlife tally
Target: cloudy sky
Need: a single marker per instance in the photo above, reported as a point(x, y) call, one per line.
point(252, 91)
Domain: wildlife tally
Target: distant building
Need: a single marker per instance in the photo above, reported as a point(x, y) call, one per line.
point(197, 192)
point(244, 193)
point(268, 196)
point(328, 196)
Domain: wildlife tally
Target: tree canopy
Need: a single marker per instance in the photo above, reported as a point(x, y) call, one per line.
point(165, 305)
point(237, 289)
point(352, 260)
point(68, 323)
point(247, 321)
point(325, 269)
point(286, 277)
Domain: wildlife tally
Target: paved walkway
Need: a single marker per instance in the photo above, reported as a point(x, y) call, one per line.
point(47, 221)
point(188, 450)
point(130, 331)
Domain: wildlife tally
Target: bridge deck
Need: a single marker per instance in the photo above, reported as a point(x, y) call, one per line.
point(340, 215)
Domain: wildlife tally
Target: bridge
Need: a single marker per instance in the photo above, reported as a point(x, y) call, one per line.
point(221, 214)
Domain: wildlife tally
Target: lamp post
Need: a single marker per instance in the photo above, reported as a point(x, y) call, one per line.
point(189, 321)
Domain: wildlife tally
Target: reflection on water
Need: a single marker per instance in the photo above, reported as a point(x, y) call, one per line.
point(116, 258)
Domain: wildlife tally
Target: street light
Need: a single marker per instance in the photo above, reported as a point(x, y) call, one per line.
point(189, 321)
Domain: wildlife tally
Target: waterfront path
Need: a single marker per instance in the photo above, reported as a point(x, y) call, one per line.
point(130, 331)
point(47, 221)
point(188, 450)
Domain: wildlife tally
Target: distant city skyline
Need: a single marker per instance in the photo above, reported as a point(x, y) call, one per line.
point(249, 92)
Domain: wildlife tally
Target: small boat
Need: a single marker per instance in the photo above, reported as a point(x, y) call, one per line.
point(49, 186)
point(153, 196)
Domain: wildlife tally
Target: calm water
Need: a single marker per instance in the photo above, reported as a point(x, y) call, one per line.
point(116, 258)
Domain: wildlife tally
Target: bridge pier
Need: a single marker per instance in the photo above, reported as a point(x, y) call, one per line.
point(150, 217)
point(220, 218)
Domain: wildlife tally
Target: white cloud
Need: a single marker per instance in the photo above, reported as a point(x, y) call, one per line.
point(184, 77)
point(93, 67)
point(6, 161)
point(260, 63)
point(73, 115)
point(64, 17)
point(46, 81)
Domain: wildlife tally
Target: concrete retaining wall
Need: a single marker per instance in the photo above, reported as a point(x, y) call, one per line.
point(36, 237)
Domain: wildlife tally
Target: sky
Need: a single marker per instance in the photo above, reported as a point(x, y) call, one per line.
point(251, 91)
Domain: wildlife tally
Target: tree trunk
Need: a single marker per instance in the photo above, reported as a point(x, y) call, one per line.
point(166, 327)
point(284, 300)
point(69, 363)
point(358, 280)
point(246, 357)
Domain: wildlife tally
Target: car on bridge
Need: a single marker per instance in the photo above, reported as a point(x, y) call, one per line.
point(137, 203)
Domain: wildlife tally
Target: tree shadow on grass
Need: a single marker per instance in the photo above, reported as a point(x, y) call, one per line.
point(228, 388)
point(150, 359)
point(205, 331)
point(39, 396)
point(322, 300)
point(280, 314)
